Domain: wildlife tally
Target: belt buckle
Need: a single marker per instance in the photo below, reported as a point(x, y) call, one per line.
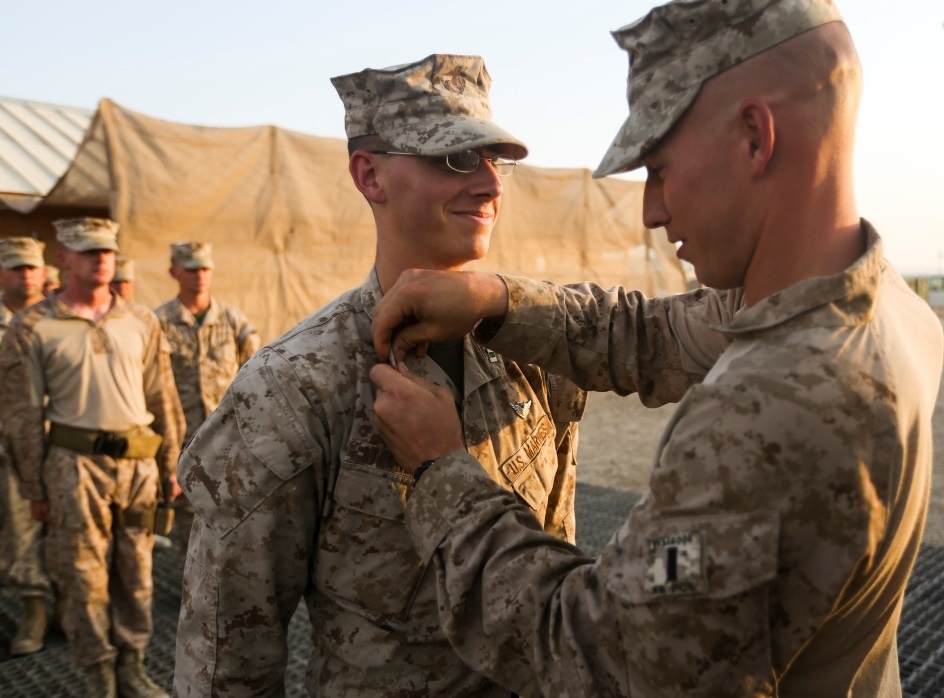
point(109, 444)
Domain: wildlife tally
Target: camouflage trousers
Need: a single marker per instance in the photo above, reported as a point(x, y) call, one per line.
point(21, 539)
point(101, 568)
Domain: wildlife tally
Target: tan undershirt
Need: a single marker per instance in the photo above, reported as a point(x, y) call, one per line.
point(93, 373)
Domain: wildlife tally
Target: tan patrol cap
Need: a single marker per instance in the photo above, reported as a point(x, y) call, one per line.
point(124, 269)
point(192, 255)
point(436, 106)
point(52, 275)
point(85, 234)
point(21, 252)
point(677, 47)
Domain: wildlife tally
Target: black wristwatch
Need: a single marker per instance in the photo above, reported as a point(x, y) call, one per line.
point(424, 466)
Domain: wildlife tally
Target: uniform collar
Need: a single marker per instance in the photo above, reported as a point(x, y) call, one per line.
point(185, 317)
point(481, 365)
point(846, 298)
point(5, 313)
point(61, 311)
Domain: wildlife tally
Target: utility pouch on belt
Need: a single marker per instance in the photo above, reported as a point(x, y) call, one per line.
point(139, 442)
point(163, 520)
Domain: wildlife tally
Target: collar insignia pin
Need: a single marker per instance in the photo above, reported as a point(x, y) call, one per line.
point(522, 409)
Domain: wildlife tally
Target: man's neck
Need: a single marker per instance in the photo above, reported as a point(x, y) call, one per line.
point(195, 302)
point(388, 272)
point(89, 302)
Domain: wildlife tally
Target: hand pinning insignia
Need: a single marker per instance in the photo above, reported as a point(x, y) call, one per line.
point(522, 409)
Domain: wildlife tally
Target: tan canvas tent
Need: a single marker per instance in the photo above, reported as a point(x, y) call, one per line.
point(290, 231)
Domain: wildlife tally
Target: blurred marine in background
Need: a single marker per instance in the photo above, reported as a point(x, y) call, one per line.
point(209, 341)
point(98, 369)
point(22, 567)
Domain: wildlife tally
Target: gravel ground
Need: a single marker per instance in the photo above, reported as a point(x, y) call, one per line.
point(619, 436)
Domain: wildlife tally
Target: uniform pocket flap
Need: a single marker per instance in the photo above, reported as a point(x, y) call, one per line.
point(711, 557)
point(245, 451)
point(371, 491)
point(268, 426)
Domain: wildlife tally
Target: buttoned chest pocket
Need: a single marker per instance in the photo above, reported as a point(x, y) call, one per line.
point(221, 346)
point(183, 345)
point(366, 557)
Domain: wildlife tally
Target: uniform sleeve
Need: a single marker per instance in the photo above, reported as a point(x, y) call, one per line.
point(254, 476)
point(760, 521)
point(162, 400)
point(247, 339)
point(581, 332)
point(21, 406)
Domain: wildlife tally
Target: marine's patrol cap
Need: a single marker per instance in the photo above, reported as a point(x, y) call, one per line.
point(192, 255)
point(436, 106)
point(124, 269)
point(677, 47)
point(52, 275)
point(85, 234)
point(21, 252)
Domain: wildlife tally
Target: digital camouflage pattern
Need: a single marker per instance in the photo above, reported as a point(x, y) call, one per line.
point(435, 106)
point(21, 252)
point(298, 497)
point(677, 47)
point(101, 566)
point(84, 234)
point(792, 483)
point(192, 255)
point(22, 567)
point(206, 355)
point(116, 371)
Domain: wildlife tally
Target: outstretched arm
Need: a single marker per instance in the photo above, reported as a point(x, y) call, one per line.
point(435, 306)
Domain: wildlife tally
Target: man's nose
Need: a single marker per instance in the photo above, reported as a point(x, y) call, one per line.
point(654, 212)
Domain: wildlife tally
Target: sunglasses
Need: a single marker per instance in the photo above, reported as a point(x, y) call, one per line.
point(465, 161)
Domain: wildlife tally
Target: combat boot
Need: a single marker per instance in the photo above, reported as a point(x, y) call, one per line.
point(133, 680)
point(31, 632)
point(100, 680)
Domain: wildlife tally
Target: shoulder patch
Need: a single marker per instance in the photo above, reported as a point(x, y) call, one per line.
point(675, 565)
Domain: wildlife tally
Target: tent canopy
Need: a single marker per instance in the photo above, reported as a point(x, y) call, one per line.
point(290, 231)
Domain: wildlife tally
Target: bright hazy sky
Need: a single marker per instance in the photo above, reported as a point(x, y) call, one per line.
point(558, 77)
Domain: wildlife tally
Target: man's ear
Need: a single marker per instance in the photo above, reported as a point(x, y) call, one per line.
point(756, 122)
point(363, 169)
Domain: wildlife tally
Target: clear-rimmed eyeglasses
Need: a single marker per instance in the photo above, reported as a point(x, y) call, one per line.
point(465, 161)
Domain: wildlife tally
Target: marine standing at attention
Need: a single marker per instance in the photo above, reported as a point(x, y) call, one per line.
point(297, 497)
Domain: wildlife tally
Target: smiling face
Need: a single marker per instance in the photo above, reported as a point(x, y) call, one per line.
point(431, 216)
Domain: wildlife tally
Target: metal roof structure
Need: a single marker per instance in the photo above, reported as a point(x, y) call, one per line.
point(38, 142)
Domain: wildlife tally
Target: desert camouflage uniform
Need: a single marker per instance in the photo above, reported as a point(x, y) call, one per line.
point(205, 355)
point(785, 510)
point(21, 536)
point(110, 376)
point(296, 495)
